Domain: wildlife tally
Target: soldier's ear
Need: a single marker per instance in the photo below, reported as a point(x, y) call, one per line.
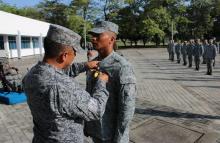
point(62, 57)
point(113, 39)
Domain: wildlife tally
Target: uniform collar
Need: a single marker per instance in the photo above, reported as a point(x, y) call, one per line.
point(108, 59)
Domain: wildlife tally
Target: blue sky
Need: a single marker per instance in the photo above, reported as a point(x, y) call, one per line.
point(23, 3)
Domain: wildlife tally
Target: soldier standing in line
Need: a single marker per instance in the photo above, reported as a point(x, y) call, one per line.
point(171, 49)
point(210, 54)
point(197, 53)
point(205, 45)
point(189, 52)
point(178, 51)
point(184, 53)
point(217, 45)
point(217, 48)
point(168, 49)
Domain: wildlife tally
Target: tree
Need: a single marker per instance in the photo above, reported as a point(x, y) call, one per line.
point(31, 12)
point(151, 30)
point(216, 18)
point(54, 11)
point(8, 8)
point(200, 15)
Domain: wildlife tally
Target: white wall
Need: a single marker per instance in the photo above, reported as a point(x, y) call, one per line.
point(11, 24)
point(14, 25)
point(13, 53)
point(3, 53)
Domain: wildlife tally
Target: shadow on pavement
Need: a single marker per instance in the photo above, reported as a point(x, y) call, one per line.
point(173, 114)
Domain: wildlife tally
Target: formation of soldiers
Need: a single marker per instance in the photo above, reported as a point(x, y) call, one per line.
point(195, 50)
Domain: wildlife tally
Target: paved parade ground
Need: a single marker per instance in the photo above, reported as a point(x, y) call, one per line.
point(175, 104)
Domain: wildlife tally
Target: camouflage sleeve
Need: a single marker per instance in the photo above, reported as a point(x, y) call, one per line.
point(126, 104)
point(214, 52)
point(75, 69)
point(174, 45)
point(76, 102)
point(202, 50)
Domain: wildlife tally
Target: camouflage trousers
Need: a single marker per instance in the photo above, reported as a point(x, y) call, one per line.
point(197, 62)
point(184, 56)
point(178, 57)
point(209, 63)
point(190, 58)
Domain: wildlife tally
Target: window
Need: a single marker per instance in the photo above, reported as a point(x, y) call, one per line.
point(35, 42)
point(12, 42)
point(25, 42)
point(1, 43)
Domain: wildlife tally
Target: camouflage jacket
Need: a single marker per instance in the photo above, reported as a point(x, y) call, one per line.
point(171, 47)
point(178, 48)
point(189, 49)
point(114, 125)
point(210, 52)
point(183, 49)
point(198, 50)
point(59, 105)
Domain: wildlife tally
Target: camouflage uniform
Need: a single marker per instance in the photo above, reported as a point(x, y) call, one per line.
point(189, 52)
point(197, 53)
point(168, 50)
point(171, 50)
point(184, 54)
point(210, 54)
point(177, 51)
point(217, 50)
point(57, 102)
point(205, 46)
point(114, 125)
point(217, 46)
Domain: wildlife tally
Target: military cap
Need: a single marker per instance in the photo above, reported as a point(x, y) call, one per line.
point(103, 26)
point(65, 36)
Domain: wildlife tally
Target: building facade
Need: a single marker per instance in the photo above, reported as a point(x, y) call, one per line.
point(21, 36)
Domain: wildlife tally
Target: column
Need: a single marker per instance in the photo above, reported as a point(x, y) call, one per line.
point(6, 46)
point(31, 45)
point(41, 44)
point(18, 42)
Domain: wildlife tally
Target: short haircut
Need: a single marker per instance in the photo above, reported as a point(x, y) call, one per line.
point(53, 49)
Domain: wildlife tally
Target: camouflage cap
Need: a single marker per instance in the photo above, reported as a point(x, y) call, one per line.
point(103, 26)
point(62, 35)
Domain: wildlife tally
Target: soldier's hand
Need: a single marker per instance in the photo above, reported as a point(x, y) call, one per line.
point(103, 76)
point(92, 64)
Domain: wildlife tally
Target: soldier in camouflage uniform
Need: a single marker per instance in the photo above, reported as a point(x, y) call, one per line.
point(217, 45)
point(205, 46)
point(189, 52)
point(114, 125)
point(197, 53)
point(178, 47)
point(217, 48)
point(184, 53)
point(168, 50)
point(171, 50)
point(210, 54)
point(57, 102)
